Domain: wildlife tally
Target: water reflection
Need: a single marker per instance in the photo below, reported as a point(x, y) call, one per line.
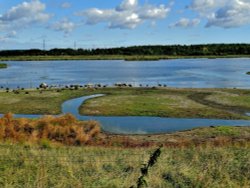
point(198, 73)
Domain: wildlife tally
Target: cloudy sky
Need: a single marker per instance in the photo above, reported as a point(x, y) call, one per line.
point(25, 24)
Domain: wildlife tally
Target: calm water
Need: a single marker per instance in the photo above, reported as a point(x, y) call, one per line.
point(197, 73)
point(141, 125)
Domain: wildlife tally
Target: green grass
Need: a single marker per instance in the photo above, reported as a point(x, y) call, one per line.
point(179, 103)
point(3, 65)
point(110, 57)
point(47, 102)
point(248, 73)
point(162, 102)
point(234, 98)
point(33, 166)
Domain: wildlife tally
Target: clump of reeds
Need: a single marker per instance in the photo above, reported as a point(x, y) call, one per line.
point(64, 129)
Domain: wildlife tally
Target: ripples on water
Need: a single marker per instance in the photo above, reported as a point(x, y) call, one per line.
point(196, 73)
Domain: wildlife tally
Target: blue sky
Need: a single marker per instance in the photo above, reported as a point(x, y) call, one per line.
point(24, 24)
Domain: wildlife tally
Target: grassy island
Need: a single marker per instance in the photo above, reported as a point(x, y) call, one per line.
point(3, 65)
point(170, 102)
point(161, 102)
point(248, 73)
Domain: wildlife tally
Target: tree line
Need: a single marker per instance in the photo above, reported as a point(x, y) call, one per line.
point(172, 50)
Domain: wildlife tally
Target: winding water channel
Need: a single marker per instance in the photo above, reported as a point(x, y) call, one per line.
point(183, 73)
point(138, 124)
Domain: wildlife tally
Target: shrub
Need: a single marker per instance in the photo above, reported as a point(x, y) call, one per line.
point(64, 129)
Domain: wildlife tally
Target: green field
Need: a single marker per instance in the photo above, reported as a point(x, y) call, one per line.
point(36, 102)
point(163, 102)
point(195, 103)
point(3, 65)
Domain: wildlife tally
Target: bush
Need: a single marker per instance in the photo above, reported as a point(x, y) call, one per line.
point(64, 129)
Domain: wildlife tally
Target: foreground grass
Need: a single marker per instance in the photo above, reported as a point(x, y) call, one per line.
point(3, 65)
point(111, 57)
point(163, 102)
point(43, 153)
point(30, 166)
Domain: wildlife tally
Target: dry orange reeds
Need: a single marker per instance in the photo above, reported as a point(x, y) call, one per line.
point(65, 129)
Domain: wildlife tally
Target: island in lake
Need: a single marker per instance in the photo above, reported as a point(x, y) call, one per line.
point(3, 65)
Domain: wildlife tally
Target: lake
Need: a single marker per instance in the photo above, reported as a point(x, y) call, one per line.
point(191, 73)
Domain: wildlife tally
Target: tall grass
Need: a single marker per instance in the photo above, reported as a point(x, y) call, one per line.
point(208, 157)
point(209, 167)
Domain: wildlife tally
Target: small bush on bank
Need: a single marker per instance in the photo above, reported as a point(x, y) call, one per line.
point(64, 129)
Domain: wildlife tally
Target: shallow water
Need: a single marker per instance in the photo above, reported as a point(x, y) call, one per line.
point(196, 73)
point(141, 125)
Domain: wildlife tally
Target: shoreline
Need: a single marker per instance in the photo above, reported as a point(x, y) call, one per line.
point(206, 105)
point(114, 57)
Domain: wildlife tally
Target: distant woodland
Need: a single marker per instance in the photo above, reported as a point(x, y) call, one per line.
point(154, 50)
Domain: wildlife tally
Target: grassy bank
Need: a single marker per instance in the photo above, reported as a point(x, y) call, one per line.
point(3, 65)
point(37, 102)
point(66, 130)
point(188, 103)
point(30, 166)
point(111, 57)
point(163, 102)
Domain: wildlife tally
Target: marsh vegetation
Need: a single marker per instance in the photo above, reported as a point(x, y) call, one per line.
point(3, 65)
point(161, 102)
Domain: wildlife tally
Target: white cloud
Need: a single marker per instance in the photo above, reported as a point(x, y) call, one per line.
point(64, 25)
point(128, 15)
point(66, 5)
point(203, 6)
point(223, 13)
point(152, 12)
point(8, 36)
point(26, 11)
point(127, 5)
point(185, 22)
point(24, 14)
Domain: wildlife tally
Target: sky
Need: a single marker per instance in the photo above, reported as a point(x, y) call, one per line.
point(25, 24)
